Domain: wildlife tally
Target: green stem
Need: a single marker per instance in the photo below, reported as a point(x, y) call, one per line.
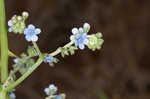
point(37, 49)
point(4, 43)
point(4, 95)
point(58, 51)
point(39, 61)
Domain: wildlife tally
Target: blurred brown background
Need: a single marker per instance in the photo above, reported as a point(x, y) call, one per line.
point(120, 69)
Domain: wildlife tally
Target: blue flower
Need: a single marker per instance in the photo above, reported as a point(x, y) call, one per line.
point(81, 40)
point(52, 89)
point(49, 59)
point(80, 36)
point(58, 97)
point(12, 95)
point(31, 33)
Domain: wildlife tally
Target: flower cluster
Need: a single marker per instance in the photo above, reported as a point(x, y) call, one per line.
point(95, 41)
point(17, 23)
point(51, 92)
point(80, 36)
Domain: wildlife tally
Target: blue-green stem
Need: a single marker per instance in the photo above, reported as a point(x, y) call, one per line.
point(36, 65)
point(4, 43)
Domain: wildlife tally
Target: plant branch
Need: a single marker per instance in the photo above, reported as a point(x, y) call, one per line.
point(58, 50)
point(37, 49)
point(24, 76)
point(39, 61)
point(11, 54)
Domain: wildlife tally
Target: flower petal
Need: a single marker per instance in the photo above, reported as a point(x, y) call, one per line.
point(28, 38)
point(75, 31)
point(34, 38)
point(30, 26)
point(86, 25)
point(25, 31)
point(37, 31)
point(76, 43)
point(10, 23)
point(46, 90)
point(84, 35)
point(81, 46)
point(10, 29)
point(72, 37)
point(81, 30)
point(52, 86)
point(58, 97)
point(86, 41)
point(12, 95)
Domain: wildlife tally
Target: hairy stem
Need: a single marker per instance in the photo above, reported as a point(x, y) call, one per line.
point(36, 65)
point(58, 51)
point(37, 49)
point(24, 76)
point(4, 43)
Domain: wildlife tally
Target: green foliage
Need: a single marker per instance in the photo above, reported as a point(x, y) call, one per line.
point(95, 41)
point(67, 51)
point(24, 63)
point(72, 49)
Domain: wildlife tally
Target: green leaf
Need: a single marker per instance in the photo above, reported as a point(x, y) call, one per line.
point(23, 55)
point(72, 50)
point(31, 51)
point(64, 52)
point(56, 60)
